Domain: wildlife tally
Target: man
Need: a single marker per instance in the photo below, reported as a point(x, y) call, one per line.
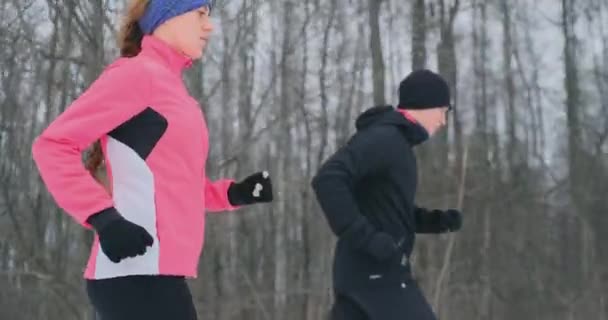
point(366, 191)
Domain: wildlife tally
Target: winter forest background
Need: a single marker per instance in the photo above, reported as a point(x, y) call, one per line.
point(525, 154)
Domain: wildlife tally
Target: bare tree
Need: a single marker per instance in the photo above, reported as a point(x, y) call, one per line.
point(280, 87)
point(376, 49)
point(419, 54)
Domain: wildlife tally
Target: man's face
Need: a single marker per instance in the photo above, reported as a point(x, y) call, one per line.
point(432, 119)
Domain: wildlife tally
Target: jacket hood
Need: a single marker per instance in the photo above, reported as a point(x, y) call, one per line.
point(389, 116)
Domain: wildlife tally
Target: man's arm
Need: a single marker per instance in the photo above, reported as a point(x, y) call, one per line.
point(366, 154)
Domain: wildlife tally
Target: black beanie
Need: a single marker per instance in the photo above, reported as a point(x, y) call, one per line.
point(423, 89)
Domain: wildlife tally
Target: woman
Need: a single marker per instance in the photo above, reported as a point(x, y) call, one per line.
point(153, 138)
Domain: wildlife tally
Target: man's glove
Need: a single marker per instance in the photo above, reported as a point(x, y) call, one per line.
point(382, 246)
point(451, 220)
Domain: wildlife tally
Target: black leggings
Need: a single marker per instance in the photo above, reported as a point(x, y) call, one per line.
point(142, 297)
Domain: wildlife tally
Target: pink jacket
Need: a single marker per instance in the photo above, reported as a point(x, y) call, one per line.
point(155, 143)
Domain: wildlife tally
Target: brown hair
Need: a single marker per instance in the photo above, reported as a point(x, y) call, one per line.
point(129, 42)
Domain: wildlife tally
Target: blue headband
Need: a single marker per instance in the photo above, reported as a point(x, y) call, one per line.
point(159, 11)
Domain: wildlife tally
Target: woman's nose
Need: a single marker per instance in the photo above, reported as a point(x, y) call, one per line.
point(208, 26)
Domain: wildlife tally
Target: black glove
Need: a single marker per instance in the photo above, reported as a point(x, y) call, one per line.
point(451, 220)
point(119, 238)
point(255, 188)
point(382, 246)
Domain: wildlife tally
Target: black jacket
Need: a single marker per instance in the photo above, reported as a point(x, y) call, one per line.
point(368, 186)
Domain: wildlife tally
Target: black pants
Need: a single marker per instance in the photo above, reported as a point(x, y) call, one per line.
point(142, 297)
point(383, 303)
point(345, 308)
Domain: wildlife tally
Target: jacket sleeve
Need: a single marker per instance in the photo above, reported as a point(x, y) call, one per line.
point(367, 153)
point(110, 100)
point(216, 195)
point(429, 221)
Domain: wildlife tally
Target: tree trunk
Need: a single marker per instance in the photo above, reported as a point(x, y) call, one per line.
point(419, 55)
point(375, 43)
point(513, 157)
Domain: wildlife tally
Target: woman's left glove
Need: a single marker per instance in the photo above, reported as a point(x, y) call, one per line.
point(253, 189)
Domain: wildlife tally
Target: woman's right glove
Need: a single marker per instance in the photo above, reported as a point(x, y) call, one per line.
point(119, 238)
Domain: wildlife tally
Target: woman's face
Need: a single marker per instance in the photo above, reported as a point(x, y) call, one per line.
point(189, 32)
